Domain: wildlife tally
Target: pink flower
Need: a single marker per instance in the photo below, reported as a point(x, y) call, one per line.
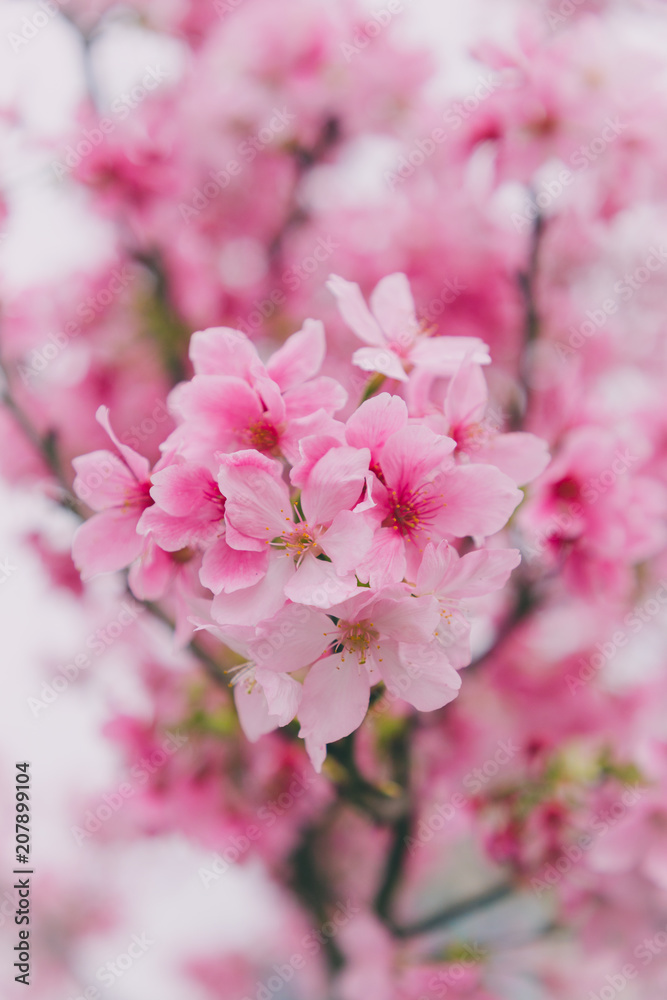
point(117, 488)
point(262, 519)
point(451, 578)
point(397, 340)
point(520, 456)
point(188, 514)
point(234, 402)
point(367, 638)
point(420, 494)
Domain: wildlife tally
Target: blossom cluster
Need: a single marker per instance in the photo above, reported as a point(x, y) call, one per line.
point(325, 551)
point(332, 519)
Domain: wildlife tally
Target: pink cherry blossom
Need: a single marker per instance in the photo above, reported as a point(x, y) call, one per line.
point(397, 340)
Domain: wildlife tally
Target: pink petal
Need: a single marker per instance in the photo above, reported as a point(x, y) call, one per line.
point(419, 674)
point(333, 704)
point(221, 408)
point(181, 489)
point(252, 605)
point(317, 423)
point(226, 569)
point(520, 456)
point(481, 572)
point(282, 694)
point(293, 638)
point(411, 455)
point(392, 305)
point(316, 582)
point(347, 540)
point(257, 503)
point(374, 422)
point(385, 561)
point(107, 542)
point(103, 480)
point(311, 450)
point(138, 465)
point(467, 395)
point(221, 350)
point(354, 310)
point(335, 483)
point(406, 619)
point(435, 567)
point(479, 500)
point(152, 574)
point(300, 357)
point(173, 533)
point(380, 359)
point(253, 711)
point(323, 393)
point(443, 355)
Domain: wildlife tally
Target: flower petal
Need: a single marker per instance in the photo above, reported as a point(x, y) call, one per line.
point(333, 704)
point(300, 357)
point(392, 305)
point(354, 310)
point(380, 359)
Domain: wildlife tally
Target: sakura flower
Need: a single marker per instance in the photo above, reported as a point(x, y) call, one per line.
point(519, 455)
point(188, 514)
point(398, 342)
point(261, 519)
point(116, 487)
point(451, 578)
point(234, 402)
point(264, 698)
point(368, 638)
point(420, 494)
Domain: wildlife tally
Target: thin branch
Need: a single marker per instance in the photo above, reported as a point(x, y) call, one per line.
point(455, 912)
point(527, 284)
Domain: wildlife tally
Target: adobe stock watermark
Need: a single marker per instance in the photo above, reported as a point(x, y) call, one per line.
point(370, 29)
point(584, 495)
point(646, 952)
point(225, 7)
point(120, 108)
point(582, 158)
point(292, 279)
point(453, 119)
point(312, 944)
point(267, 815)
point(97, 642)
point(449, 978)
point(7, 570)
point(94, 819)
point(572, 854)
point(474, 781)
point(635, 620)
point(32, 24)
point(623, 291)
point(115, 969)
point(565, 9)
point(246, 152)
point(41, 357)
point(147, 426)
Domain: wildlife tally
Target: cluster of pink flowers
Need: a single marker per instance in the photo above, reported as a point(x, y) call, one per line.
point(327, 552)
point(462, 462)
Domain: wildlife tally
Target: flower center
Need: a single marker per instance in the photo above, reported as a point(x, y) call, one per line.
point(356, 637)
point(263, 436)
point(566, 489)
point(410, 511)
point(298, 542)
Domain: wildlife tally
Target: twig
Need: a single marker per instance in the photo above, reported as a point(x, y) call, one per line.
point(455, 912)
